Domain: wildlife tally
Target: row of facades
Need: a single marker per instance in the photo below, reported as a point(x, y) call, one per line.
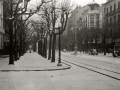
point(2, 30)
point(4, 27)
point(93, 15)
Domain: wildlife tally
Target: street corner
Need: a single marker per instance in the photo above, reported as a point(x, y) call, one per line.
point(55, 68)
point(34, 68)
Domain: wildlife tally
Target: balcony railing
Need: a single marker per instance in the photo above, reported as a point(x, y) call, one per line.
point(114, 24)
point(118, 10)
point(106, 15)
point(111, 13)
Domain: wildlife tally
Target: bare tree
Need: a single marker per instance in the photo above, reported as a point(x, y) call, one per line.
point(18, 8)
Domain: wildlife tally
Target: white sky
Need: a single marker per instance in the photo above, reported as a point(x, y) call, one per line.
point(74, 2)
point(84, 2)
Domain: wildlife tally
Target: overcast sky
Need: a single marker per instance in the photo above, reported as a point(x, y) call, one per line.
point(84, 2)
point(76, 2)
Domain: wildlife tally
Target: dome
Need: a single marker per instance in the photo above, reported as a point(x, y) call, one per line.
point(92, 3)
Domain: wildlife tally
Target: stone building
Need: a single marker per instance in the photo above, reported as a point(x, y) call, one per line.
point(112, 17)
point(111, 23)
point(91, 15)
point(2, 32)
point(84, 19)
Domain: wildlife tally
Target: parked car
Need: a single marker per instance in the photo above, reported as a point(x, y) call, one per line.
point(93, 52)
point(64, 50)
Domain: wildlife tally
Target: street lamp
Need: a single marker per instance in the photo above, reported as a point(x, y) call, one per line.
point(74, 28)
point(75, 42)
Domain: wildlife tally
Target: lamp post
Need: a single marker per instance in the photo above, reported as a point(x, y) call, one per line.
point(75, 42)
point(75, 50)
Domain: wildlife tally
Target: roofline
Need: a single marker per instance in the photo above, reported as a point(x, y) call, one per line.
point(108, 2)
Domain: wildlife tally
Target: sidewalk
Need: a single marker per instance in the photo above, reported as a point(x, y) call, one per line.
point(31, 62)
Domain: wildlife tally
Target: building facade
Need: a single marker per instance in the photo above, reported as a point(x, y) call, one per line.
point(111, 23)
point(2, 32)
point(91, 16)
point(85, 19)
point(6, 15)
point(88, 16)
point(112, 17)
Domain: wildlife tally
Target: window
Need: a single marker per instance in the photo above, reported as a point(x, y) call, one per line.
point(107, 10)
point(110, 21)
point(97, 23)
point(119, 17)
point(92, 7)
point(0, 22)
point(91, 23)
point(91, 16)
point(1, 41)
point(107, 22)
point(110, 8)
point(114, 19)
point(114, 7)
point(118, 4)
point(97, 16)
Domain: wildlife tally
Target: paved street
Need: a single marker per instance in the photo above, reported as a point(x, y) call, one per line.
point(75, 78)
point(103, 64)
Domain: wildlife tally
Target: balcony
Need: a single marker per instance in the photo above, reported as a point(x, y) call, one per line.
point(109, 25)
point(106, 15)
point(111, 13)
point(93, 11)
point(118, 23)
point(118, 10)
point(114, 24)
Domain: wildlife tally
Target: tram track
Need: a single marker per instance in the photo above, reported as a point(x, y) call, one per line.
point(109, 73)
point(96, 63)
point(94, 66)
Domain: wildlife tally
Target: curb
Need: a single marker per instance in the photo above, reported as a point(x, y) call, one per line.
point(68, 67)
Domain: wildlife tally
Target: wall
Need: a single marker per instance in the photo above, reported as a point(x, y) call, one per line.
point(1, 26)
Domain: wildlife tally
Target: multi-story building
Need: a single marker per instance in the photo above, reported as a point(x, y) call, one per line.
point(111, 23)
point(87, 18)
point(91, 16)
point(2, 32)
point(73, 20)
point(6, 15)
point(112, 17)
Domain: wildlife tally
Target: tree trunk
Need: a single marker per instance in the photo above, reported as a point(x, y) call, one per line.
point(46, 48)
point(17, 51)
point(104, 45)
point(20, 50)
point(40, 48)
point(15, 47)
point(11, 61)
point(53, 48)
point(50, 46)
